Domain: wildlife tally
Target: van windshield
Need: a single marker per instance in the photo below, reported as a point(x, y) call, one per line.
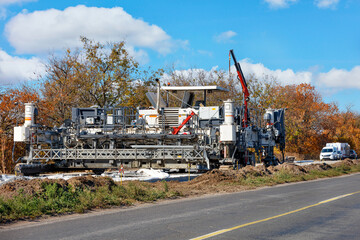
point(327, 150)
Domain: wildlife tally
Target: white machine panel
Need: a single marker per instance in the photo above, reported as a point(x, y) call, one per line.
point(183, 113)
point(21, 134)
point(209, 112)
point(151, 117)
point(110, 119)
point(227, 133)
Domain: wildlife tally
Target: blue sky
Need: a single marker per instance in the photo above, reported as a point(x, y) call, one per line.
point(313, 41)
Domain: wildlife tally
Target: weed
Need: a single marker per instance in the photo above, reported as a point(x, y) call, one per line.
point(54, 198)
point(166, 187)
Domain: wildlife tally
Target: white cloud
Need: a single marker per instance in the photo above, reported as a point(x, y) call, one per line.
point(15, 69)
point(258, 70)
point(288, 76)
point(330, 82)
point(326, 3)
point(139, 55)
point(52, 29)
point(4, 3)
point(280, 3)
point(334, 80)
point(340, 78)
point(196, 76)
point(225, 36)
point(8, 2)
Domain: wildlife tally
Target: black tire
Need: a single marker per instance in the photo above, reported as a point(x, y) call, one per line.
point(98, 171)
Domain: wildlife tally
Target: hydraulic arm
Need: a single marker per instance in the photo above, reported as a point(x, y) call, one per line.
point(176, 130)
point(243, 85)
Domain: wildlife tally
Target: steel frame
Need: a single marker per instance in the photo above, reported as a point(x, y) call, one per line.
point(172, 153)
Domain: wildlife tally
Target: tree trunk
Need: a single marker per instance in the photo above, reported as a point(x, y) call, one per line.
point(3, 147)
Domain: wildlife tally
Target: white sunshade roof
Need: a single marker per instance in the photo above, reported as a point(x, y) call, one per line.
point(193, 88)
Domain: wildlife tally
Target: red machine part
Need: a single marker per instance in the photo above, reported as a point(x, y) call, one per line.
point(243, 85)
point(176, 130)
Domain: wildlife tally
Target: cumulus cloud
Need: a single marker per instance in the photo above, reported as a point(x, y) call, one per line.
point(340, 78)
point(140, 55)
point(5, 3)
point(280, 3)
point(331, 81)
point(192, 73)
point(257, 70)
point(225, 36)
point(15, 69)
point(52, 29)
point(326, 3)
point(288, 76)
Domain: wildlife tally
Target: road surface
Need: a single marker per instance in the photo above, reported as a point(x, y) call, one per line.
point(321, 209)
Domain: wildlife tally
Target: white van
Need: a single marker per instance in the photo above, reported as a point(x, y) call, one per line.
point(344, 148)
point(329, 153)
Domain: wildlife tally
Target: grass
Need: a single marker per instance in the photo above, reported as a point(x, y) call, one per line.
point(282, 176)
point(56, 199)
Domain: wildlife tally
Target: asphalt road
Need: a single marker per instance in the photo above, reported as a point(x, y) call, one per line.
point(322, 209)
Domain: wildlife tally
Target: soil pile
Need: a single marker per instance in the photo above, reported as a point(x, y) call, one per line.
point(347, 162)
point(289, 167)
point(211, 182)
point(91, 182)
point(36, 186)
point(215, 176)
point(27, 187)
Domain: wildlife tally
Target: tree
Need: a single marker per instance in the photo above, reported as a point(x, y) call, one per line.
point(60, 88)
point(348, 129)
point(262, 92)
point(11, 114)
point(310, 123)
point(97, 74)
point(200, 77)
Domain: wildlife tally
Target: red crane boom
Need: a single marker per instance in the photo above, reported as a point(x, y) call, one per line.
point(243, 85)
point(176, 130)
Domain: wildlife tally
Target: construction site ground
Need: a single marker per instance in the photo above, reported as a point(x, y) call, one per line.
point(215, 181)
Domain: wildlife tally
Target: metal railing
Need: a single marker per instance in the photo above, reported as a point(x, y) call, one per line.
point(168, 153)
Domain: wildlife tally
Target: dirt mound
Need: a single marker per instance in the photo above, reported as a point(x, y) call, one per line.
point(91, 182)
point(212, 181)
point(256, 171)
point(288, 167)
point(36, 186)
point(28, 187)
point(347, 162)
point(320, 167)
point(214, 176)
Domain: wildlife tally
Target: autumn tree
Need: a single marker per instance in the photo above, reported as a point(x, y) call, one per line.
point(97, 74)
point(60, 88)
point(261, 91)
point(11, 114)
point(199, 77)
point(348, 128)
point(310, 123)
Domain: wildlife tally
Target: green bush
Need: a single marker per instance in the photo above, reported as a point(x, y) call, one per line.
point(56, 199)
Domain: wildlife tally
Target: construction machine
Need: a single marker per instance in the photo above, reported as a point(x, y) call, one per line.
point(188, 135)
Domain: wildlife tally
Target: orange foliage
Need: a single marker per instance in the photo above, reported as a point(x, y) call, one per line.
point(310, 123)
point(348, 129)
point(11, 114)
